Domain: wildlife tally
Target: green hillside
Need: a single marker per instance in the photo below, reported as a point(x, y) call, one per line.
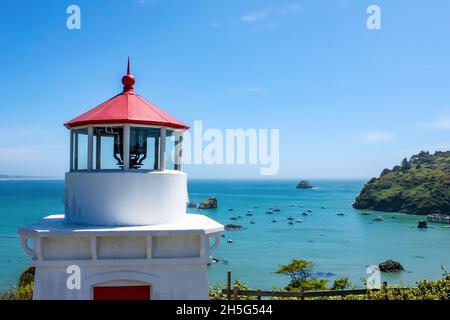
point(420, 185)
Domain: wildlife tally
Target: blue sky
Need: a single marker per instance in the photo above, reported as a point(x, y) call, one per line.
point(348, 101)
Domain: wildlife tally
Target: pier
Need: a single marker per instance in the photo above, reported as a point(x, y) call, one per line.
point(437, 218)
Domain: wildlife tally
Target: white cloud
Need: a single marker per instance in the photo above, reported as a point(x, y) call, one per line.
point(254, 16)
point(290, 8)
point(143, 2)
point(374, 137)
point(438, 124)
point(267, 13)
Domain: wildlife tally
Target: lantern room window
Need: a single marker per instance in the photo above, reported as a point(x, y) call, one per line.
point(145, 148)
point(79, 148)
point(108, 148)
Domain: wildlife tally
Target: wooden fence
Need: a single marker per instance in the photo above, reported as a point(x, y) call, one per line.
point(234, 293)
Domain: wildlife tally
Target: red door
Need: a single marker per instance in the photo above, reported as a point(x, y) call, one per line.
point(122, 293)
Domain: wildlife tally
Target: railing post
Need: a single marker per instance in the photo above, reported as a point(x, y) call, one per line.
point(259, 296)
point(235, 293)
point(229, 284)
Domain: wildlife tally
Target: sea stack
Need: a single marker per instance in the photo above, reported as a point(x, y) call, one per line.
point(210, 203)
point(232, 227)
point(192, 205)
point(391, 266)
point(304, 185)
point(125, 234)
point(422, 224)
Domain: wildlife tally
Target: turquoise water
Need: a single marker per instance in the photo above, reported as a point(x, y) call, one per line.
point(339, 245)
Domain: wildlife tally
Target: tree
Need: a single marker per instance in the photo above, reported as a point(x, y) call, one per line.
point(406, 165)
point(298, 269)
point(341, 284)
point(302, 279)
point(300, 272)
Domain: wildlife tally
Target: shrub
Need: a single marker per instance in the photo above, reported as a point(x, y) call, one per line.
point(215, 293)
point(24, 290)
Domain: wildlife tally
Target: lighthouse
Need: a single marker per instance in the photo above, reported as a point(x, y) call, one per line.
point(125, 233)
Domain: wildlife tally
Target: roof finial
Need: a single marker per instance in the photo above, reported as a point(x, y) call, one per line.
point(128, 80)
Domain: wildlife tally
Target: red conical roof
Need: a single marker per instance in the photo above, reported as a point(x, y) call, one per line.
point(127, 107)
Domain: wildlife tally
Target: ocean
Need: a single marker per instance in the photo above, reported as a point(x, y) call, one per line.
point(339, 245)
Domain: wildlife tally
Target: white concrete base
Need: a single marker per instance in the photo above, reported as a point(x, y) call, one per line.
point(170, 258)
point(167, 282)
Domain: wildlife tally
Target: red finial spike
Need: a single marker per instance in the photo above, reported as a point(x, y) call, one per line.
point(128, 80)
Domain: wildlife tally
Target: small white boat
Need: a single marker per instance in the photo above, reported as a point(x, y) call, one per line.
point(229, 241)
point(299, 221)
point(379, 218)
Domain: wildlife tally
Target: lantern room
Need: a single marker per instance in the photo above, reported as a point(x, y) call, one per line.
point(125, 133)
point(125, 160)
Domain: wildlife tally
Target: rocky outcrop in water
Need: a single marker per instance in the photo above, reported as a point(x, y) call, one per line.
point(192, 205)
point(305, 185)
point(233, 227)
point(391, 266)
point(422, 224)
point(210, 203)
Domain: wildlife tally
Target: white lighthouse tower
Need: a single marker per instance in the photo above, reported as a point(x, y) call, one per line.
point(125, 233)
